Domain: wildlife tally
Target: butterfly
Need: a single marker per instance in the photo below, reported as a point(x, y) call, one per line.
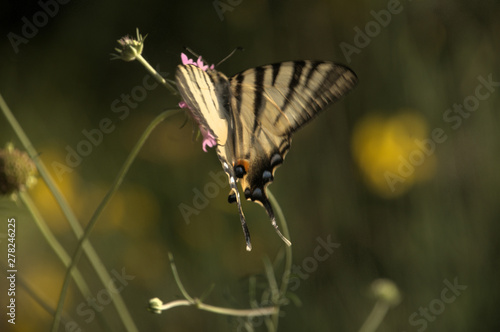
point(253, 115)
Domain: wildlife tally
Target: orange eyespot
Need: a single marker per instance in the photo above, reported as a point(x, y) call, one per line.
point(244, 163)
point(241, 168)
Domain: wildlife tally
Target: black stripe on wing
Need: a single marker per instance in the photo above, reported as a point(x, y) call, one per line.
point(336, 83)
point(323, 84)
point(188, 80)
point(258, 99)
point(276, 69)
point(312, 70)
point(294, 81)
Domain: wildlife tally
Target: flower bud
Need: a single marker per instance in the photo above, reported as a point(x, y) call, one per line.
point(386, 290)
point(17, 170)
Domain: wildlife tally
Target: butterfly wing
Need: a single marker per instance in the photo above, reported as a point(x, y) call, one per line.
point(207, 95)
point(269, 104)
point(254, 114)
point(207, 98)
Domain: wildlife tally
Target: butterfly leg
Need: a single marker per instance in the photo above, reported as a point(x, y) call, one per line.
point(234, 196)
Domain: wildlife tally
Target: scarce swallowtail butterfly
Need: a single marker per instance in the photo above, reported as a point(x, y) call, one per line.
point(253, 115)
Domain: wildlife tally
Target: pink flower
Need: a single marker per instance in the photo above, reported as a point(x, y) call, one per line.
point(208, 139)
point(186, 61)
point(199, 63)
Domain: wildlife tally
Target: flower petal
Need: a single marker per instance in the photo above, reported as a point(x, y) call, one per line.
point(186, 61)
point(208, 139)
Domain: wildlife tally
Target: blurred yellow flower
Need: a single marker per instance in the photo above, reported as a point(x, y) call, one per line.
point(393, 152)
point(133, 208)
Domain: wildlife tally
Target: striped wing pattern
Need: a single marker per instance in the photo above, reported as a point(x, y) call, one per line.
point(207, 95)
point(254, 114)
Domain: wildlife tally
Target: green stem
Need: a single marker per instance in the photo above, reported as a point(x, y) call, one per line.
point(177, 279)
point(237, 312)
point(219, 310)
point(156, 305)
point(129, 324)
point(80, 282)
point(288, 253)
point(42, 170)
point(375, 318)
point(92, 256)
point(157, 76)
point(271, 323)
point(53, 242)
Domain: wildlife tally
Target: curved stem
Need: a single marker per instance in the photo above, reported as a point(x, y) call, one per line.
point(177, 279)
point(238, 312)
point(375, 318)
point(80, 282)
point(118, 180)
point(288, 253)
point(54, 243)
point(156, 305)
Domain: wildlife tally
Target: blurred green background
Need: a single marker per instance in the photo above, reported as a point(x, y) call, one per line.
point(365, 175)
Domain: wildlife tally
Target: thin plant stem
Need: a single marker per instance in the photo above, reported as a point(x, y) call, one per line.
point(288, 253)
point(177, 279)
point(114, 187)
point(155, 74)
point(219, 310)
point(43, 302)
point(92, 256)
point(237, 312)
point(80, 282)
point(376, 317)
point(156, 305)
point(275, 294)
point(53, 242)
point(42, 170)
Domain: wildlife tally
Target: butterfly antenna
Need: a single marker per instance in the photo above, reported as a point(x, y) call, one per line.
point(191, 51)
point(239, 48)
point(195, 54)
